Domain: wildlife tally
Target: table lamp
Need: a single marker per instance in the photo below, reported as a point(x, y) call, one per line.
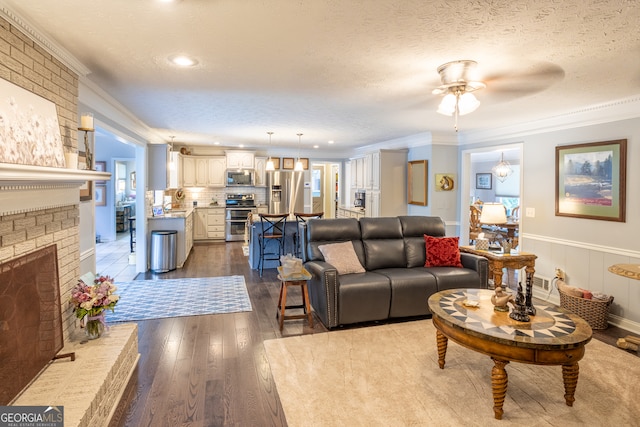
point(493, 214)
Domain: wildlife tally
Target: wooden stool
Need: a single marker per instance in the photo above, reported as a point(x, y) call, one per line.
point(299, 279)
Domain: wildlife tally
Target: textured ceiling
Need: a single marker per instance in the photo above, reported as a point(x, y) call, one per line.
point(354, 71)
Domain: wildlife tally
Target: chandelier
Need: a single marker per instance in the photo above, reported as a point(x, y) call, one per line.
point(502, 170)
point(457, 87)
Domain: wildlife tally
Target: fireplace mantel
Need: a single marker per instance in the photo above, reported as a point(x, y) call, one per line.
point(25, 188)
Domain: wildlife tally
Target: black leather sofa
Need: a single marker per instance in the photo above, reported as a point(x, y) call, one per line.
point(396, 283)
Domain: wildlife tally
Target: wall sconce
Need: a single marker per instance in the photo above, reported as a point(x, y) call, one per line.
point(86, 125)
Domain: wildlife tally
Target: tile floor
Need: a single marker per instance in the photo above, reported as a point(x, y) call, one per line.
point(112, 258)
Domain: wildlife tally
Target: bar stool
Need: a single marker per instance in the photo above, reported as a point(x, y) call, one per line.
point(298, 237)
point(132, 233)
point(272, 229)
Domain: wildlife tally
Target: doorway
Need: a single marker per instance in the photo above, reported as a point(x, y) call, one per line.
point(479, 184)
point(325, 182)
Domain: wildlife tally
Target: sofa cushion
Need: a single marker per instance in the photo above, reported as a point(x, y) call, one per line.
point(410, 290)
point(342, 256)
point(413, 229)
point(363, 297)
point(383, 243)
point(337, 230)
point(442, 251)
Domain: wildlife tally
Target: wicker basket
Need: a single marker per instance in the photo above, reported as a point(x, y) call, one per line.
point(592, 310)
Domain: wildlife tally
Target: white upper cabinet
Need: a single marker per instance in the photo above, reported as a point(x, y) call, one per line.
point(261, 166)
point(217, 171)
point(240, 160)
point(188, 171)
point(202, 172)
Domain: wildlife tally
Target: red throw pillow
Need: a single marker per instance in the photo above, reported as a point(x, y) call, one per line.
point(442, 251)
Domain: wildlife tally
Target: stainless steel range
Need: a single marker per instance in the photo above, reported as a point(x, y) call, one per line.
point(239, 206)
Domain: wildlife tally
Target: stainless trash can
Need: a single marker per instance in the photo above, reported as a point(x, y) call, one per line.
point(163, 250)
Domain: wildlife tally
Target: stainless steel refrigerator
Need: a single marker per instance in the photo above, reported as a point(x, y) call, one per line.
point(284, 188)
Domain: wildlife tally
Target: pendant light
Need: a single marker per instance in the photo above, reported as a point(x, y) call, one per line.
point(298, 167)
point(270, 166)
point(502, 170)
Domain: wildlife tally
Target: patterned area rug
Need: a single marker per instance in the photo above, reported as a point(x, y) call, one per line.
point(156, 299)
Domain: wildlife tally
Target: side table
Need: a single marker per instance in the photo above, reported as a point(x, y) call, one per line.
point(516, 260)
point(298, 279)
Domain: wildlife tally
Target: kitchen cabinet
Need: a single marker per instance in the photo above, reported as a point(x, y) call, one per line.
point(240, 160)
point(209, 223)
point(215, 223)
point(188, 235)
point(357, 174)
point(188, 171)
point(217, 171)
point(203, 171)
point(200, 224)
point(261, 173)
point(158, 166)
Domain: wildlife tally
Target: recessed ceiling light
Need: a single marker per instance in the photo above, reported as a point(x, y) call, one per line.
point(315, 146)
point(216, 143)
point(182, 61)
point(241, 145)
point(330, 142)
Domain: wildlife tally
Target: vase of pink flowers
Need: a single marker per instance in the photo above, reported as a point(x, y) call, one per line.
point(90, 300)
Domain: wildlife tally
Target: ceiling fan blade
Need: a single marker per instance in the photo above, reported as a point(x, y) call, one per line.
point(530, 80)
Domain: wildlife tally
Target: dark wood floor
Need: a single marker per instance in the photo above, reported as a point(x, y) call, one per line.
point(212, 370)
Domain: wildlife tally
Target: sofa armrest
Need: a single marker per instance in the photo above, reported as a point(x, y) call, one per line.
point(479, 264)
point(323, 291)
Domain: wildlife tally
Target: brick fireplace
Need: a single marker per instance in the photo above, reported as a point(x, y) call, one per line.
point(39, 207)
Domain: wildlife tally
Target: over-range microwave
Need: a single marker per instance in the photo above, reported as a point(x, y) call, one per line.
point(240, 178)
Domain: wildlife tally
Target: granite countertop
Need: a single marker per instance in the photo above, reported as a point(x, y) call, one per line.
point(175, 214)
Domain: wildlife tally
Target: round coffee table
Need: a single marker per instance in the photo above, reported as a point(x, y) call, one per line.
point(552, 337)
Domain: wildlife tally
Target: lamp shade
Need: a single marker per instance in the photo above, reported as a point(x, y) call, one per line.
point(298, 167)
point(448, 105)
point(467, 103)
point(270, 165)
point(493, 213)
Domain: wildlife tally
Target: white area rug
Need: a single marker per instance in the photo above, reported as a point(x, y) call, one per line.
point(388, 376)
point(155, 299)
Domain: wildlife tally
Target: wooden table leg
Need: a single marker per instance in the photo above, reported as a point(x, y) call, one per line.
point(499, 381)
point(497, 274)
point(305, 302)
point(570, 378)
point(442, 347)
point(283, 304)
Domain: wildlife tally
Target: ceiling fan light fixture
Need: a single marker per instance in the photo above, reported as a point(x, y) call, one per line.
point(467, 103)
point(457, 84)
point(447, 105)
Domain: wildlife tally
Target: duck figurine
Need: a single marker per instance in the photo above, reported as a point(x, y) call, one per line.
point(500, 299)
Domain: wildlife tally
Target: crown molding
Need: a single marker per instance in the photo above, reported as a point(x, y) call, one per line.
point(37, 35)
point(612, 111)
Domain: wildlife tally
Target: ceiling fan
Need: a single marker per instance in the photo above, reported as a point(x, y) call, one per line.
point(458, 83)
point(459, 80)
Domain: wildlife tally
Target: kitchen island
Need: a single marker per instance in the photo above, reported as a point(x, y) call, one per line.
point(254, 246)
point(182, 222)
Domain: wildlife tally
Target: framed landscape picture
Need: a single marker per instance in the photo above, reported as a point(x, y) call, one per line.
point(483, 181)
point(591, 180)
